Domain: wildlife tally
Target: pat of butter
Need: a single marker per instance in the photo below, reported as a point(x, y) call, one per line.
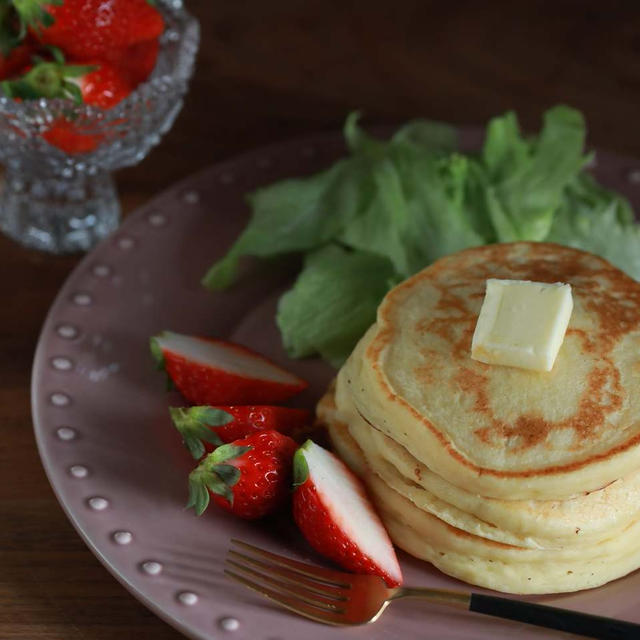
point(522, 324)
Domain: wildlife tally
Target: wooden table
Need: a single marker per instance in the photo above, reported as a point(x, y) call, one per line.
point(270, 71)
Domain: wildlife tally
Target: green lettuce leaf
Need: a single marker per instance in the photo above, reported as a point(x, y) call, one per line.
point(594, 219)
point(526, 181)
point(333, 302)
point(418, 210)
point(294, 215)
point(433, 136)
point(392, 207)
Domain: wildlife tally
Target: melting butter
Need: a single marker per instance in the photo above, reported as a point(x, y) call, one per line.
point(522, 323)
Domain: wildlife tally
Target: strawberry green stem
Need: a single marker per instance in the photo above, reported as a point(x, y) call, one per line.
point(300, 466)
point(194, 425)
point(48, 80)
point(33, 13)
point(212, 475)
point(18, 16)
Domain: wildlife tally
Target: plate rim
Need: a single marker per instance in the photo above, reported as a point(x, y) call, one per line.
point(40, 355)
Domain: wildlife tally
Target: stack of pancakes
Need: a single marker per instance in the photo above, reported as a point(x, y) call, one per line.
point(516, 480)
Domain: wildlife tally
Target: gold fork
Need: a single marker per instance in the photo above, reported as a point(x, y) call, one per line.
point(339, 598)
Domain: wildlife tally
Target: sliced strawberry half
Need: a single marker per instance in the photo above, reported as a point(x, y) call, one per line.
point(331, 508)
point(205, 428)
point(90, 28)
point(216, 372)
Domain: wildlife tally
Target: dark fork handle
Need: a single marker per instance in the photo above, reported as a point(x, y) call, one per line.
point(555, 618)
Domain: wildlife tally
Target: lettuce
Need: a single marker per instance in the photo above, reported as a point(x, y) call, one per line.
point(391, 207)
point(600, 221)
point(333, 302)
point(526, 181)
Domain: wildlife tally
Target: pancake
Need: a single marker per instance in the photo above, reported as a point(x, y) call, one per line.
point(496, 431)
point(488, 563)
point(584, 519)
point(512, 479)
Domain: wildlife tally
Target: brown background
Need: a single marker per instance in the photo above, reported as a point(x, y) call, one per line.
point(269, 71)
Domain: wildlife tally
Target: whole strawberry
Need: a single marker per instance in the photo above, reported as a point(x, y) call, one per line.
point(204, 428)
point(97, 84)
point(249, 477)
point(87, 29)
point(136, 62)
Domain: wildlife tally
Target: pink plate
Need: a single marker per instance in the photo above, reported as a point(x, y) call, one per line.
point(117, 465)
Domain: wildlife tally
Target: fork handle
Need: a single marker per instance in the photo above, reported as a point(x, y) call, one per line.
point(555, 618)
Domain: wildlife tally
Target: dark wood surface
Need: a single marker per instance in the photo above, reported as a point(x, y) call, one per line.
point(269, 71)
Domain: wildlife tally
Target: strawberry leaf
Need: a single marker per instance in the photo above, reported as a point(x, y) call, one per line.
point(229, 474)
point(156, 352)
point(78, 70)
point(42, 81)
point(198, 495)
point(158, 357)
point(212, 416)
point(33, 13)
point(229, 452)
point(211, 477)
point(17, 16)
point(73, 91)
point(217, 485)
point(57, 54)
point(194, 426)
point(300, 467)
point(19, 89)
point(48, 80)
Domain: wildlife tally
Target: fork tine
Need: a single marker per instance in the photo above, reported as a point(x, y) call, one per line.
point(328, 576)
point(290, 577)
point(294, 590)
point(320, 615)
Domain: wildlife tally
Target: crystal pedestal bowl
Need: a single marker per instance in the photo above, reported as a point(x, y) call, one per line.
point(64, 202)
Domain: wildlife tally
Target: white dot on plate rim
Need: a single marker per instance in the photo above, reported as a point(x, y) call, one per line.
point(66, 433)
point(157, 219)
point(187, 598)
point(229, 624)
point(61, 363)
point(101, 270)
point(67, 331)
point(98, 503)
point(126, 242)
point(59, 399)
point(82, 299)
point(78, 471)
point(151, 567)
point(191, 197)
point(634, 176)
point(122, 537)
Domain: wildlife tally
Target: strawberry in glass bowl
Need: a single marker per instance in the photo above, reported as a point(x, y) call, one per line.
point(86, 87)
